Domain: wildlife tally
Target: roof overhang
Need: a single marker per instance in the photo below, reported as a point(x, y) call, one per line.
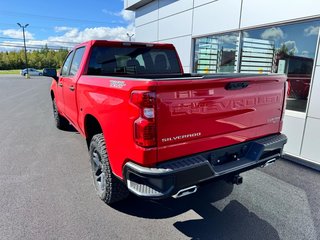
point(135, 4)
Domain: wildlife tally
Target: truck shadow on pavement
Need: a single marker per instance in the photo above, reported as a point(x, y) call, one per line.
point(235, 221)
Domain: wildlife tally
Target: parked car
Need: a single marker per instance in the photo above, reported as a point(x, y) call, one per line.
point(158, 132)
point(31, 72)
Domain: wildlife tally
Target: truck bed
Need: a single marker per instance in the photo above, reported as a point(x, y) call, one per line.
point(187, 76)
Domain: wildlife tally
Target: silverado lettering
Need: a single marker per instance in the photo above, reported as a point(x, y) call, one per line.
point(192, 135)
point(158, 132)
point(198, 106)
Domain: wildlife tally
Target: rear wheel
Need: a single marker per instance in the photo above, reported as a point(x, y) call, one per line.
point(60, 121)
point(108, 187)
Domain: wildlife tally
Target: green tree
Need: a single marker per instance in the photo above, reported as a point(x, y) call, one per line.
point(39, 59)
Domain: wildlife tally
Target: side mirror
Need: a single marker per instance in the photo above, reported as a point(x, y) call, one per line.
point(50, 72)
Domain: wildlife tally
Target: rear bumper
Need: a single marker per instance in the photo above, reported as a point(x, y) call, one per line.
point(167, 178)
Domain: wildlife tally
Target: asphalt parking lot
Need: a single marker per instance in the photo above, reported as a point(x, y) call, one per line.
point(46, 190)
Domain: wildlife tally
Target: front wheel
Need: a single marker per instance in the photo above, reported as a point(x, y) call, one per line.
point(108, 187)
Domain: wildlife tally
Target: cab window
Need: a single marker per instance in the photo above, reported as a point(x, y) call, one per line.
point(66, 65)
point(76, 61)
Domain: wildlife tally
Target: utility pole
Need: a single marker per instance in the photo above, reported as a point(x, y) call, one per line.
point(24, 43)
point(130, 36)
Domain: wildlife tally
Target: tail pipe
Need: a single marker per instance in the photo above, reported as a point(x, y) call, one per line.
point(185, 192)
point(269, 162)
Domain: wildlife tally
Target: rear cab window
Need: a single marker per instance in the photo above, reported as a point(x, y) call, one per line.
point(133, 60)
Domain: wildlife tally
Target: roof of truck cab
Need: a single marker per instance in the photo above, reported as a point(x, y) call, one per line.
point(123, 43)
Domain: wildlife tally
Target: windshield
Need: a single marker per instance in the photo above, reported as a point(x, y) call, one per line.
point(129, 60)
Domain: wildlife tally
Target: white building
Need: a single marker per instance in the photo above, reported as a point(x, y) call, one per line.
point(248, 36)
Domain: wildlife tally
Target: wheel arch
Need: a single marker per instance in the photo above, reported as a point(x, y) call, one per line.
point(91, 127)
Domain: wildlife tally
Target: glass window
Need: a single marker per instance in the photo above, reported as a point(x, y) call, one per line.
point(132, 60)
point(66, 65)
point(216, 54)
point(76, 61)
point(140, 60)
point(288, 49)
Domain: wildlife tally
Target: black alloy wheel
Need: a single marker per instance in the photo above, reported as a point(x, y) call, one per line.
point(109, 188)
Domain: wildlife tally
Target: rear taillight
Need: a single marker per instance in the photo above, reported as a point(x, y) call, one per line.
point(145, 126)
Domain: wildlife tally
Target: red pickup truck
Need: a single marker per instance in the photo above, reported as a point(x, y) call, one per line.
point(157, 132)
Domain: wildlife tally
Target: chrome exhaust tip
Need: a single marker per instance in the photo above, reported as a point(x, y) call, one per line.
point(185, 192)
point(269, 162)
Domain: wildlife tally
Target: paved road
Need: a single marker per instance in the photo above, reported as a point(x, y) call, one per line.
point(46, 190)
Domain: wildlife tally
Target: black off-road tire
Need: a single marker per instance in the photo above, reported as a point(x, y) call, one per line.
point(60, 122)
point(108, 187)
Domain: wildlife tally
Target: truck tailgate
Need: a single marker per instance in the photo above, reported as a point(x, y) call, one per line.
point(196, 115)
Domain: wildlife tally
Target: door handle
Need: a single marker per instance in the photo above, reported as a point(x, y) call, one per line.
point(71, 88)
point(60, 84)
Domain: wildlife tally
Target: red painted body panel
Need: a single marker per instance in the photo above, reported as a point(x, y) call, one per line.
point(116, 114)
point(199, 115)
point(192, 115)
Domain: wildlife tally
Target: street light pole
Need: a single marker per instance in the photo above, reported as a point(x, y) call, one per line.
point(130, 36)
point(24, 43)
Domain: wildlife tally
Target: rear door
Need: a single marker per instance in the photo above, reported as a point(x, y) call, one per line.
point(69, 88)
point(199, 115)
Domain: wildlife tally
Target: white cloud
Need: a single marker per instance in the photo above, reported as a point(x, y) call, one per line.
point(127, 15)
point(68, 37)
point(246, 34)
point(106, 33)
point(305, 53)
point(30, 44)
point(312, 30)
point(106, 11)
point(273, 33)
point(10, 46)
point(14, 33)
point(231, 39)
point(292, 47)
point(62, 29)
point(124, 14)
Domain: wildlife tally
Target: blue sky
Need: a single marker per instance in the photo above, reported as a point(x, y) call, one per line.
point(63, 23)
